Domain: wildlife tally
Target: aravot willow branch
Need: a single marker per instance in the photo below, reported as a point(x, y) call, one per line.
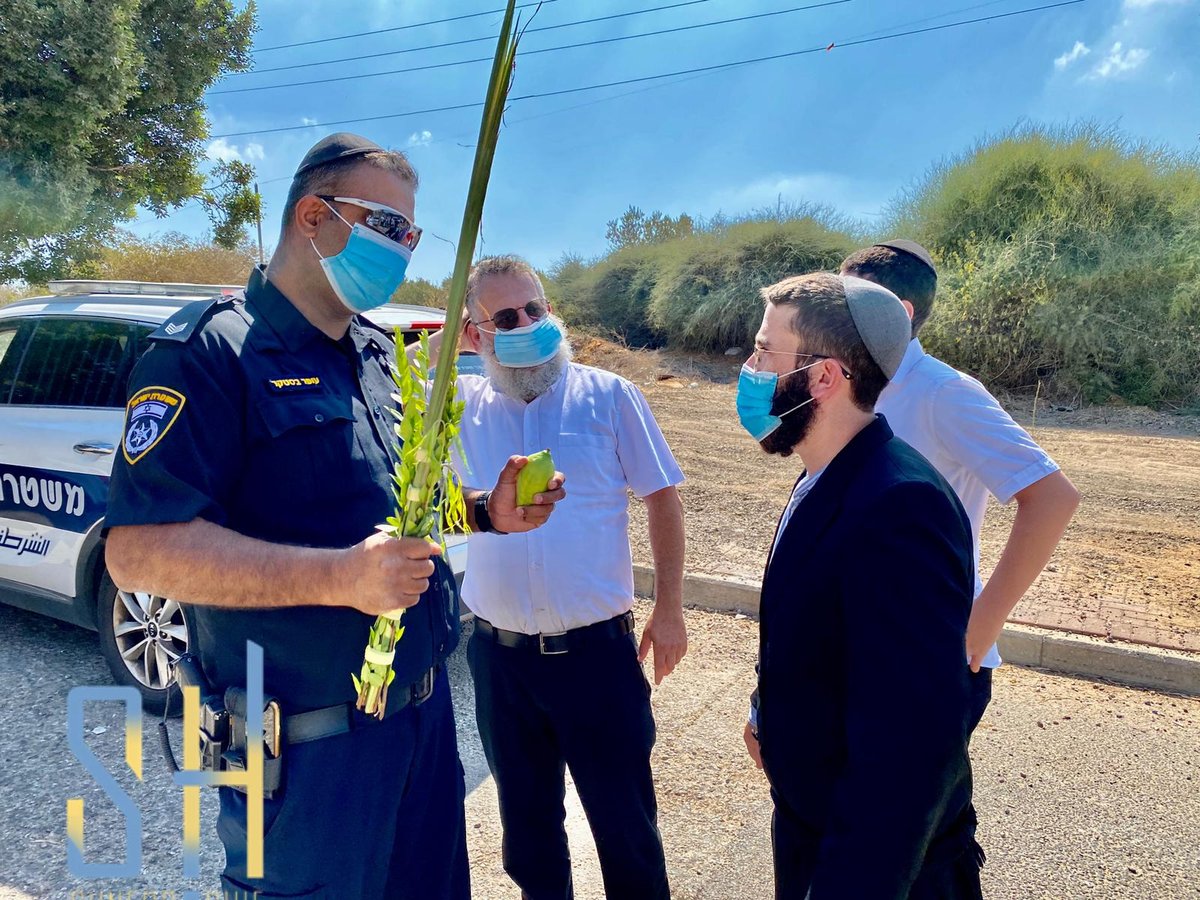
point(429, 499)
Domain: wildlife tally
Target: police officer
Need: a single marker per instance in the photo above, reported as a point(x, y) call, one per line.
point(254, 469)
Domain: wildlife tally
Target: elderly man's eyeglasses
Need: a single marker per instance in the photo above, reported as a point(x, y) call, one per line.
point(393, 225)
point(508, 319)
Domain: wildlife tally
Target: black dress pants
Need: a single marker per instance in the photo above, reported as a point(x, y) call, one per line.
point(588, 709)
point(950, 870)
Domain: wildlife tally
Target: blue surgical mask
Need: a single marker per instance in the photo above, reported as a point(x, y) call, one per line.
point(756, 396)
point(368, 270)
point(530, 345)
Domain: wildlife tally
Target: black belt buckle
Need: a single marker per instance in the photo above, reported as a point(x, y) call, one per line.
point(423, 689)
point(544, 650)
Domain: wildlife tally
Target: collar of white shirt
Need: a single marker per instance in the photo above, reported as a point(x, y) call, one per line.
point(913, 354)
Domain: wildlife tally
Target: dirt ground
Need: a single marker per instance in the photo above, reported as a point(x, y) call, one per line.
point(1084, 790)
point(1127, 569)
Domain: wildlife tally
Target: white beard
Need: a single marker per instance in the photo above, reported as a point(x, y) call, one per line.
point(526, 384)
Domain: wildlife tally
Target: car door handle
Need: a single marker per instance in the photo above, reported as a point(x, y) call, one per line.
point(95, 449)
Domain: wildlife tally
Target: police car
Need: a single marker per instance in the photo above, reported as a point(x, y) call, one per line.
point(65, 362)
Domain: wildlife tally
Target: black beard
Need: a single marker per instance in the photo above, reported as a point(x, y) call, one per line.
point(796, 425)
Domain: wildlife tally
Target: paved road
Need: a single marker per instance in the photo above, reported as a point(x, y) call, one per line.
point(40, 661)
point(1085, 790)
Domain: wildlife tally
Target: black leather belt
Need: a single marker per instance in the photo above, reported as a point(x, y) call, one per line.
point(330, 720)
point(559, 642)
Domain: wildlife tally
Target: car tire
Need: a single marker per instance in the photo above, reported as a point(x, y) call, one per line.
point(141, 635)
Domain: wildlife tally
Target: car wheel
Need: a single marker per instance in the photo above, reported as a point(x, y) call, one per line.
point(141, 637)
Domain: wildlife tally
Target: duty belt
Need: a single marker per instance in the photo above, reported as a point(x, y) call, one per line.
point(559, 642)
point(342, 717)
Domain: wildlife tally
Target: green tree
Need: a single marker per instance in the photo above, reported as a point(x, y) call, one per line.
point(231, 202)
point(635, 227)
point(419, 292)
point(101, 112)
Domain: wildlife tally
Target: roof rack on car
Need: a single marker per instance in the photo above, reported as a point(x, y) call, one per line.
point(69, 288)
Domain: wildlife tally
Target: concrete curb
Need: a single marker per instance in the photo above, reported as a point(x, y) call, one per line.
point(1138, 666)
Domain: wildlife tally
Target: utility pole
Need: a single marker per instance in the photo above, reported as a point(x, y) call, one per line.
point(258, 220)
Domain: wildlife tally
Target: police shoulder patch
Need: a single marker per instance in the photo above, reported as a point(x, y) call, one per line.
point(148, 417)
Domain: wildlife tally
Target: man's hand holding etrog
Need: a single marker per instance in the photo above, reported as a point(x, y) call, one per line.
point(502, 505)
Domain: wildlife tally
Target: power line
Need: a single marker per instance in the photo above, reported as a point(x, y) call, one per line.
point(487, 37)
point(526, 53)
point(346, 37)
point(699, 69)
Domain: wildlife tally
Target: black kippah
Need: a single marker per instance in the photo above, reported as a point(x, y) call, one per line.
point(912, 248)
point(341, 145)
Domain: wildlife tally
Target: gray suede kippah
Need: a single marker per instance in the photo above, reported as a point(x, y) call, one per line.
point(881, 320)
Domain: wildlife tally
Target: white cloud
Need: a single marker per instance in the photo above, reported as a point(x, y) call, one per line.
point(307, 121)
point(420, 138)
point(1119, 62)
point(222, 151)
point(1079, 51)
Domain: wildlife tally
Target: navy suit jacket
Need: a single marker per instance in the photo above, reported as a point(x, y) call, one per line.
point(864, 691)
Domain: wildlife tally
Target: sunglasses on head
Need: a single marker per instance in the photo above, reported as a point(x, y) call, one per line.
point(508, 319)
point(384, 220)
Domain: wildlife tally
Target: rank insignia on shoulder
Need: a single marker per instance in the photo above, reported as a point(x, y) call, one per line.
point(292, 385)
point(148, 417)
point(184, 323)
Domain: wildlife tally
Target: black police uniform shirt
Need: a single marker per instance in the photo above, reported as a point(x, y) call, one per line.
point(246, 415)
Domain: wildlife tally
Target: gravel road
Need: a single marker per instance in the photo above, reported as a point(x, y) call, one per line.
point(1085, 790)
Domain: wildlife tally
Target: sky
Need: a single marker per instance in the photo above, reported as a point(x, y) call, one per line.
point(851, 127)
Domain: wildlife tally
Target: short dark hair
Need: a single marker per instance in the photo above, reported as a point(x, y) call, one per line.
point(326, 179)
point(504, 264)
point(823, 323)
point(901, 273)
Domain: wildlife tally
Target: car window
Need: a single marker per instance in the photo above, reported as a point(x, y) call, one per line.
point(14, 335)
point(6, 341)
point(77, 362)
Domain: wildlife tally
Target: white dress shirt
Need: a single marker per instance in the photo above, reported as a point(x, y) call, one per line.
point(952, 420)
point(577, 568)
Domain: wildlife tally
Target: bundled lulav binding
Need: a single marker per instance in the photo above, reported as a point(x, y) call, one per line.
point(429, 498)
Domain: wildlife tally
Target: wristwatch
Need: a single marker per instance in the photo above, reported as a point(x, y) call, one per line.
point(483, 519)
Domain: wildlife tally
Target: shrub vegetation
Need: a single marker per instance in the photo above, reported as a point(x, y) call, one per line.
point(1068, 258)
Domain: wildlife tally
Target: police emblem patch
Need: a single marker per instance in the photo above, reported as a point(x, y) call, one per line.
point(148, 417)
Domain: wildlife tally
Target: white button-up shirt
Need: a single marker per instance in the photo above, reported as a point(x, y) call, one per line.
point(952, 420)
point(576, 569)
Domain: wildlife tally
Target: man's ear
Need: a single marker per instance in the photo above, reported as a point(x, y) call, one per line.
point(309, 212)
point(825, 378)
point(471, 336)
point(908, 308)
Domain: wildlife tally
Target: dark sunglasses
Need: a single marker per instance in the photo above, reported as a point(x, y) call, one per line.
point(383, 220)
point(508, 319)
